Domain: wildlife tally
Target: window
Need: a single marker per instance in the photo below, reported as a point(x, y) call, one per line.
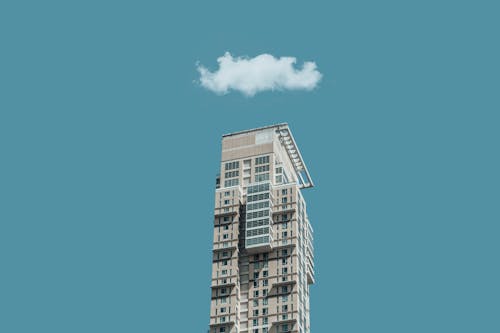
point(231, 182)
point(258, 188)
point(284, 200)
point(255, 313)
point(224, 262)
point(227, 193)
point(222, 329)
point(226, 227)
point(255, 293)
point(255, 324)
point(223, 300)
point(265, 301)
point(224, 272)
point(284, 252)
point(223, 291)
point(225, 254)
point(222, 310)
point(284, 289)
point(232, 165)
point(231, 174)
point(284, 191)
point(255, 302)
point(264, 273)
point(226, 202)
point(265, 283)
point(257, 214)
point(257, 223)
point(284, 298)
point(261, 177)
point(225, 236)
point(257, 240)
point(284, 217)
point(255, 275)
point(264, 321)
point(255, 284)
point(264, 292)
point(264, 311)
point(257, 232)
point(284, 270)
point(258, 197)
point(262, 168)
point(262, 160)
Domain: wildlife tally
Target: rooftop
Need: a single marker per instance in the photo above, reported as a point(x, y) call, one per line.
point(288, 142)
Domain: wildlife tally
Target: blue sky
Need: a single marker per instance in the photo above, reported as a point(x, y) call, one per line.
point(107, 143)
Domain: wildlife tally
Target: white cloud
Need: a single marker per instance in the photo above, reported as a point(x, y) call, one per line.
point(253, 75)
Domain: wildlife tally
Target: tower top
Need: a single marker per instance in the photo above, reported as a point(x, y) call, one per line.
point(285, 137)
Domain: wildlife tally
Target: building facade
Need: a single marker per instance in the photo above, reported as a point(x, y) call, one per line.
point(263, 259)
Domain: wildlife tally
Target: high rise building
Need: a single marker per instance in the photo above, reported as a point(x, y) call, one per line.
point(262, 252)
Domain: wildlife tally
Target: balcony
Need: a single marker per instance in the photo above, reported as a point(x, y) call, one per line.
point(225, 246)
point(259, 248)
point(227, 323)
point(290, 319)
point(310, 274)
point(289, 281)
point(224, 285)
point(220, 212)
point(283, 211)
point(281, 245)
